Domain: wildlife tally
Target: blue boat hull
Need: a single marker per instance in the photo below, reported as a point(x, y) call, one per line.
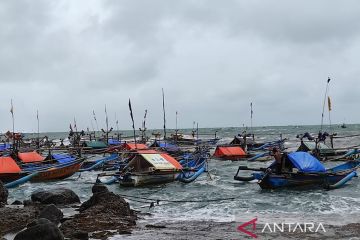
point(293, 180)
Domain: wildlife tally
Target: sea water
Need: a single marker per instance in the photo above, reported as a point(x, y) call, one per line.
point(338, 206)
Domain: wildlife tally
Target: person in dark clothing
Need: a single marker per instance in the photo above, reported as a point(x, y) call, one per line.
point(282, 164)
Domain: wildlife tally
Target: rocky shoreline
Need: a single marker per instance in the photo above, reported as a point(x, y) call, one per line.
point(105, 214)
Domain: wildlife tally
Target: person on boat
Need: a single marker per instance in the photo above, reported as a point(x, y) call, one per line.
point(282, 164)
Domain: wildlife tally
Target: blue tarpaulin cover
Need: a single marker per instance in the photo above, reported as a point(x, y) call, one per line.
point(166, 145)
point(114, 142)
point(4, 146)
point(305, 162)
point(63, 158)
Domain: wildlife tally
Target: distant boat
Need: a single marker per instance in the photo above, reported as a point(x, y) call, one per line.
point(343, 125)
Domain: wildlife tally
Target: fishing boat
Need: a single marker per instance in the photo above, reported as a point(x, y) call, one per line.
point(53, 167)
point(236, 152)
point(170, 148)
point(150, 167)
point(248, 141)
point(229, 152)
point(303, 170)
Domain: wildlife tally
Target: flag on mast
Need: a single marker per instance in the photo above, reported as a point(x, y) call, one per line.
point(329, 103)
point(131, 115)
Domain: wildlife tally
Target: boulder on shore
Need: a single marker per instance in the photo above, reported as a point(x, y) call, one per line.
point(40, 229)
point(52, 213)
point(58, 196)
point(104, 213)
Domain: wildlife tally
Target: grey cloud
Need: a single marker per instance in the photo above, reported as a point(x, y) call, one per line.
point(67, 58)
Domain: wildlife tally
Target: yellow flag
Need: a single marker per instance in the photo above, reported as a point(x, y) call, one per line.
point(329, 103)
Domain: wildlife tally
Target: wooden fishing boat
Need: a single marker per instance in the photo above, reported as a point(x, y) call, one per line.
point(9, 170)
point(150, 167)
point(50, 168)
point(302, 170)
point(229, 152)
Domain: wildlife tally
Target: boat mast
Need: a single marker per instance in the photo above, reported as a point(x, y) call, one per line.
point(38, 129)
point(97, 125)
point(251, 119)
point(163, 101)
point(117, 127)
point(107, 126)
point(143, 129)
point(132, 119)
point(13, 124)
point(176, 126)
point(323, 110)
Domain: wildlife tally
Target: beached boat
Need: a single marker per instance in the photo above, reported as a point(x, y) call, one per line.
point(302, 169)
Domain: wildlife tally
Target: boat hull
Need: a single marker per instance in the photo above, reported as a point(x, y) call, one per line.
point(136, 180)
point(284, 181)
point(57, 173)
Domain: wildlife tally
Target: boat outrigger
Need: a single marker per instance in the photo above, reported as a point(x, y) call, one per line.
point(301, 169)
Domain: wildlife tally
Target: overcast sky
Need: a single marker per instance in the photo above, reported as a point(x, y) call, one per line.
point(68, 58)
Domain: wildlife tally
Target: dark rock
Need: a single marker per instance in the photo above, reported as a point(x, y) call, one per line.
point(55, 196)
point(99, 188)
point(17, 202)
point(3, 194)
point(42, 229)
point(80, 235)
point(27, 202)
point(15, 219)
point(107, 202)
point(38, 222)
point(52, 213)
point(103, 215)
